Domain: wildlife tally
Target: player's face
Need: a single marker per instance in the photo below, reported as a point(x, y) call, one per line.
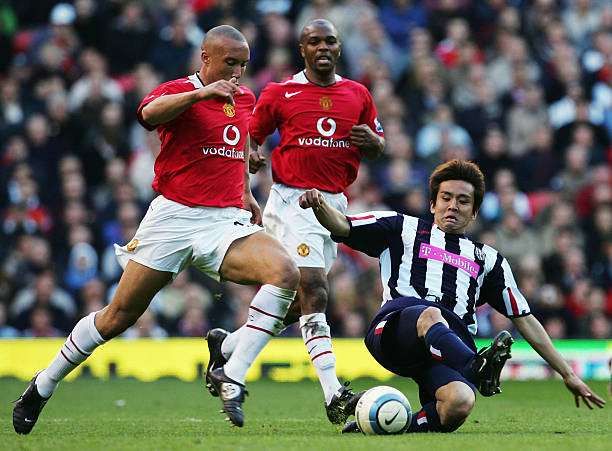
point(453, 209)
point(224, 59)
point(320, 48)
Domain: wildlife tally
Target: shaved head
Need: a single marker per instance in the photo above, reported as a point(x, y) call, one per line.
point(317, 23)
point(225, 54)
point(222, 31)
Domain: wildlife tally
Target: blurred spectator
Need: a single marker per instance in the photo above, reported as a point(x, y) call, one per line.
point(536, 169)
point(128, 37)
point(92, 297)
point(45, 294)
point(557, 218)
point(82, 266)
point(441, 132)
point(493, 156)
point(400, 17)
point(511, 65)
point(575, 173)
point(41, 324)
point(172, 51)
point(514, 239)
point(581, 19)
point(145, 327)
point(504, 198)
point(524, 119)
point(6, 331)
point(599, 327)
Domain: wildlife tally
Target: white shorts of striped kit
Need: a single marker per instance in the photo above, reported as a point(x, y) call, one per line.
point(307, 241)
point(173, 236)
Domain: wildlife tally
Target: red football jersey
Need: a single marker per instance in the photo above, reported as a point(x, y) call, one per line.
point(314, 122)
point(201, 162)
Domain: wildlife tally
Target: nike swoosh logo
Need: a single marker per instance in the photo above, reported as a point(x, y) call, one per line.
point(288, 95)
point(27, 420)
point(389, 421)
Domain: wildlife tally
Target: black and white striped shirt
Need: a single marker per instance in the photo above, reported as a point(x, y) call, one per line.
point(418, 259)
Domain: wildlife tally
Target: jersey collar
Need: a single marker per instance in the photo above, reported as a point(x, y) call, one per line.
point(195, 81)
point(300, 78)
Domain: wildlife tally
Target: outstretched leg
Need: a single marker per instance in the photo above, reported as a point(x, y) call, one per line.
point(136, 288)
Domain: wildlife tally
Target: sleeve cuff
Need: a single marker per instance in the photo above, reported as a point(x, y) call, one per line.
point(519, 315)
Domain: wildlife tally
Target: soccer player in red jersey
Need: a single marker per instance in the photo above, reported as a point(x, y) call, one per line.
point(205, 216)
point(327, 124)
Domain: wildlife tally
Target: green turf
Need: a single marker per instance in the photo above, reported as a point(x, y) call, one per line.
point(130, 415)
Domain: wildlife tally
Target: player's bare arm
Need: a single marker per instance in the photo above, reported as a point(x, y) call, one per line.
point(532, 331)
point(328, 216)
point(168, 107)
point(369, 143)
point(257, 158)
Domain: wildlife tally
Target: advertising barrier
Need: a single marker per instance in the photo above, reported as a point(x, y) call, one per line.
point(283, 359)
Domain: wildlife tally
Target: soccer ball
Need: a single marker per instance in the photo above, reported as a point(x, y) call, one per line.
point(383, 410)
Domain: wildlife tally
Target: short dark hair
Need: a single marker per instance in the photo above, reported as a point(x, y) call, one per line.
point(317, 23)
point(458, 170)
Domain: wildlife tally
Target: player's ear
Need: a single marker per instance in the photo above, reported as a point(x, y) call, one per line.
point(432, 207)
point(205, 57)
point(302, 50)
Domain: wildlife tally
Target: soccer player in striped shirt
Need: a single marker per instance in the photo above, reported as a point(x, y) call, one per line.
point(433, 279)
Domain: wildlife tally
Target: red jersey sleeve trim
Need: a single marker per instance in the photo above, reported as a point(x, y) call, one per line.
point(141, 120)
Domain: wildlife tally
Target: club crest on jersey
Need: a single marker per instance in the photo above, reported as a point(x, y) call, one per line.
point(303, 250)
point(379, 127)
point(229, 110)
point(325, 102)
point(479, 254)
point(132, 245)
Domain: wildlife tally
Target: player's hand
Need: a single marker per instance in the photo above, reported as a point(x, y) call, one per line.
point(581, 391)
point(311, 199)
point(250, 204)
point(368, 142)
point(220, 88)
point(257, 160)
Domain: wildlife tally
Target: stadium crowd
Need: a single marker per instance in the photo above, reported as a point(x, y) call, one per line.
point(521, 87)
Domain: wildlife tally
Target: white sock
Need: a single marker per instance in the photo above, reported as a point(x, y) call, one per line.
point(317, 338)
point(266, 313)
point(79, 345)
point(229, 344)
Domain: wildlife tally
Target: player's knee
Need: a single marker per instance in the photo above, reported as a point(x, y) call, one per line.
point(429, 317)
point(285, 274)
point(113, 321)
point(456, 407)
point(313, 295)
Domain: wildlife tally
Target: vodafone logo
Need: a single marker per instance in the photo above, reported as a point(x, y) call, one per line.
point(232, 130)
point(330, 123)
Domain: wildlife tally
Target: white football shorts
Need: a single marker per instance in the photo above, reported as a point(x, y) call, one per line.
point(173, 236)
point(308, 242)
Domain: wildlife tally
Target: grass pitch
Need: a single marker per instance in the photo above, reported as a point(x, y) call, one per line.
point(172, 415)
